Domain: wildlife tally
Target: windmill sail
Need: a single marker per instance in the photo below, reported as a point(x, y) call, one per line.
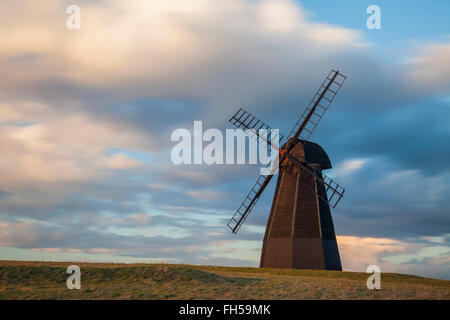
point(329, 191)
point(243, 119)
point(249, 202)
point(308, 121)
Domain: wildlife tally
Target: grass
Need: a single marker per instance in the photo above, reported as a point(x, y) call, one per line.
point(47, 280)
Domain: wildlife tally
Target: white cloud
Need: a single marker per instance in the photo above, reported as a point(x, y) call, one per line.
point(410, 256)
point(122, 161)
point(357, 253)
point(430, 68)
point(169, 47)
point(42, 145)
point(349, 166)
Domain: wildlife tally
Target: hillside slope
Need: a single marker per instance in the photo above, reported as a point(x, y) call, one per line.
point(47, 280)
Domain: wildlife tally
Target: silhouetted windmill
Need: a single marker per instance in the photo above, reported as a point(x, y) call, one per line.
point(300, 231)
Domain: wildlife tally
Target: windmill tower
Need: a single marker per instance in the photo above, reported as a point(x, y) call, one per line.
point(300, 231)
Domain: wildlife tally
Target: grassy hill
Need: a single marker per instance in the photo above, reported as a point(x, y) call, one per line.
point(47, 280)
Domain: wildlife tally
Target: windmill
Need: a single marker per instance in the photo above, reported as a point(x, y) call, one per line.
point(300, 231)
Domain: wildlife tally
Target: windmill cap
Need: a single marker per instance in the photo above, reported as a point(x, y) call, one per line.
point(314, 153)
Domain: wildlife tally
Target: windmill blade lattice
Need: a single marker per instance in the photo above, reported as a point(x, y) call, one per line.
point(249, 202)
point(329, 191)
point(243, 119)
point(318, 105)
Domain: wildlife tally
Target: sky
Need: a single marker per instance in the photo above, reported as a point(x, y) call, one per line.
point(86, 118)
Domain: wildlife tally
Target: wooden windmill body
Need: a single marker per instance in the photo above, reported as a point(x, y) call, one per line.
point(300, 231)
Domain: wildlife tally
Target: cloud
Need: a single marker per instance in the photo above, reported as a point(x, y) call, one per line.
point(141, 219)
point(394, 135)
point(200, 244)
point(122, 161)
point(347, 167)
point(358, 253)
point(430, 68)
point(422, 258)
point(204, 194)
point(177, 48)
point(44, 147)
